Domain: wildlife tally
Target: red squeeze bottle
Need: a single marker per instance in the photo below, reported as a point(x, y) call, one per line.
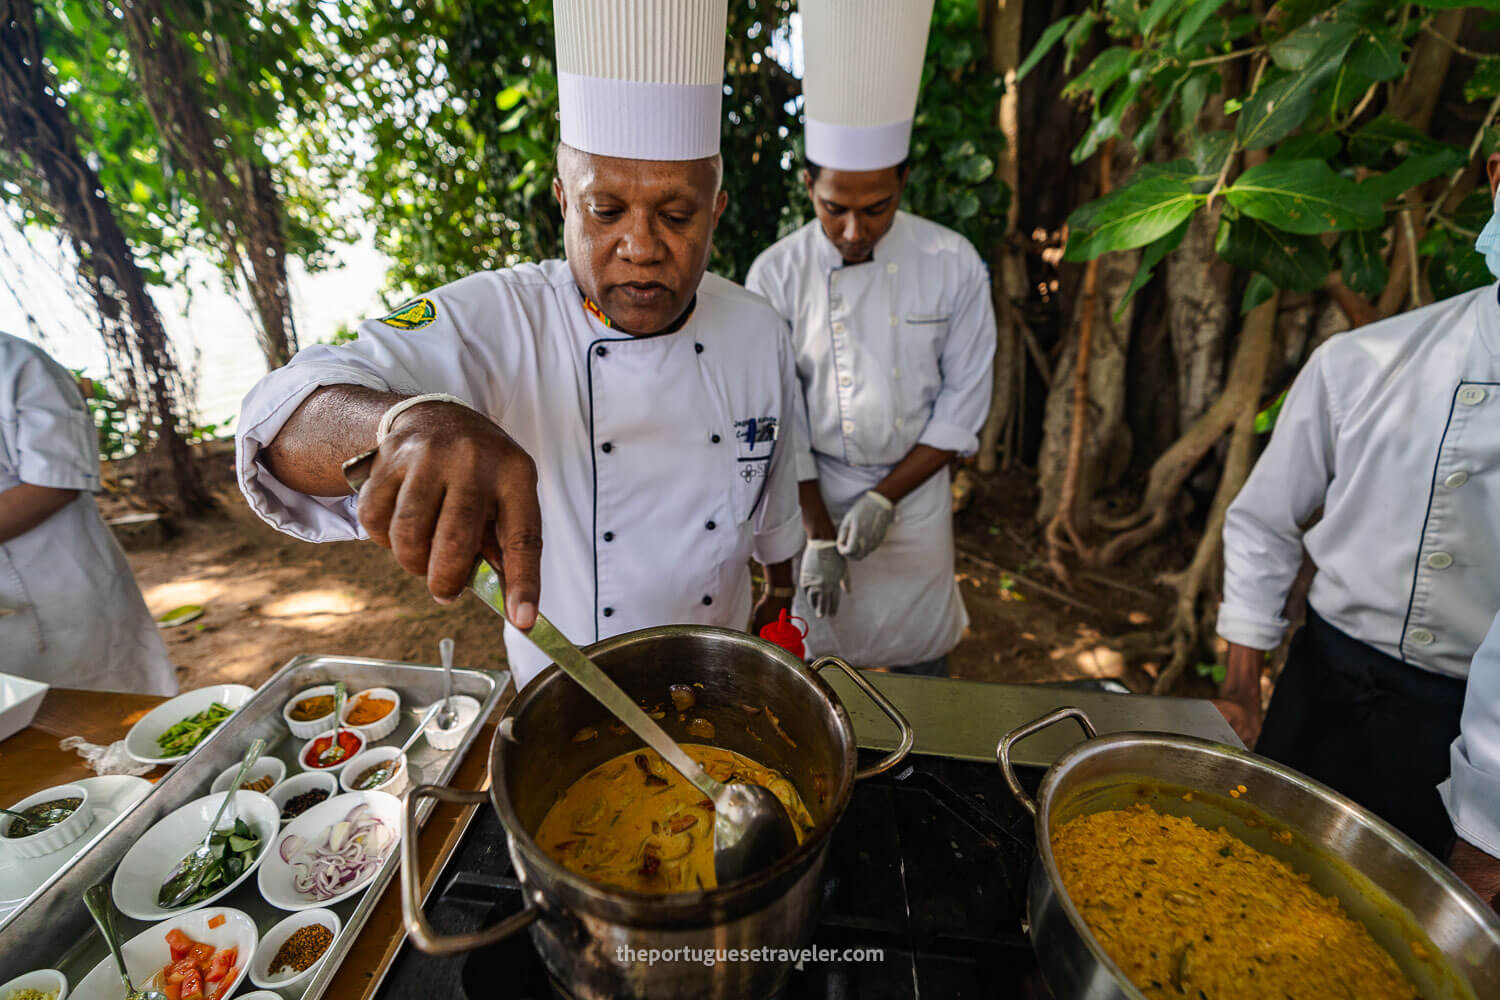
point(786, 635)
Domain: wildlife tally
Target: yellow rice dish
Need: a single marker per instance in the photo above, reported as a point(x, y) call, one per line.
point(636, 823)
point(1189, 912)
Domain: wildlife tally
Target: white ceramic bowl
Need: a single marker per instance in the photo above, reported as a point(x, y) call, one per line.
point(153, 857)
point(260, 995)
point(449, 739)
point(261, 973)
point(147, 952)
point(276, 875)
point(336, 768)
point(272, 766)
point(304, 782)
point(20, 697)
point(395, 784)
point(54, 838)
point(46, 980)
point(307, 730)
point(141, 743)
point(381, 727)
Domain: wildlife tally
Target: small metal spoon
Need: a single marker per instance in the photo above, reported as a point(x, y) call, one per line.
point(191, 871)
point(335, 751)
point(448, 717)
point(384, 774)
point(96, 898)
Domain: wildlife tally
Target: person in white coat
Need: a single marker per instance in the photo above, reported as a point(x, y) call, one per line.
point(1394, 431)
point(638, 408)
point(894, 333)
point(71, 614)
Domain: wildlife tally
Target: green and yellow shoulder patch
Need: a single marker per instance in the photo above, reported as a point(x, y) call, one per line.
point(412, 316)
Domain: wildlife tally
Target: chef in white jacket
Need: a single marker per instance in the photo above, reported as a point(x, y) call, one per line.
point(71, 614)
point(1394, 431)
point(622, 404)
point(1472, 791)
point(894, 333)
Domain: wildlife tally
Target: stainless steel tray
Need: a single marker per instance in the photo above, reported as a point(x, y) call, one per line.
point(39, 934)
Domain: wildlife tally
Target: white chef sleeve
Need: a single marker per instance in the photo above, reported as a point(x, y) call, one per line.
point(778, 521)
point(456, 353)
point(1472, 791)
point(764, 282)
point(1263, 526)
point(966, 366)
point(56, 444)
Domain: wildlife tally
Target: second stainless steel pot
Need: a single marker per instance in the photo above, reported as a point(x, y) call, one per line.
point(1382, 879)
point(597, 941)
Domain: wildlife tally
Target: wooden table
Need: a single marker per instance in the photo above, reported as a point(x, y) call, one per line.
point(31, 761)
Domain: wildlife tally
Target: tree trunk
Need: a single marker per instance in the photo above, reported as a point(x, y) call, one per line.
point(1105, 448)
point(1200, 312)
point(244, 207)
point(34, 121)
point(1008, 266)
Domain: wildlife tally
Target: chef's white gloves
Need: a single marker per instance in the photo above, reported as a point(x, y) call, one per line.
point(864, 527)
point(823, 573)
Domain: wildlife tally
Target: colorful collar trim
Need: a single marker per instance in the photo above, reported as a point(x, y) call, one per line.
point(592, 308)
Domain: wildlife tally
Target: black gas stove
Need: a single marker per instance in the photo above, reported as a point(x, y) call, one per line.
point(929, 865)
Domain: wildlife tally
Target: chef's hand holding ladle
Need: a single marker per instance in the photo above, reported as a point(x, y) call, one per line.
point(752, 830)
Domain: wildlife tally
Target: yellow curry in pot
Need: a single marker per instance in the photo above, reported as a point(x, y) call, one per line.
point(634, 822)
point(1191, 912)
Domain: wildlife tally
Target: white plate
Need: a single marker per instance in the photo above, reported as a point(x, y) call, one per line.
point(20, 697)
point(276, 875)
point(111, 795)
point(141, 743)
point(153, 857)
point(148, 951)
point(46, 980)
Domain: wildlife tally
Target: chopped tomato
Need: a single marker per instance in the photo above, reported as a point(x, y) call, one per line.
point(192, 986)
point(222, 964)
point(179, 942)
point(218, 921)
point(176, 971)
point(173, 991)
point(220, 988)
point(201, 953)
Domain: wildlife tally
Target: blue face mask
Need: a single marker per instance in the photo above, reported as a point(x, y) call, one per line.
point(1489, 240)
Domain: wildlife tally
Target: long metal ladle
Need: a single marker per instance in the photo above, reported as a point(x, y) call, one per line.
point(96, 898)
point(752, 830)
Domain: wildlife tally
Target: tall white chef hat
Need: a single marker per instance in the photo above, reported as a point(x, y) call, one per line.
point(862, 66)
point(641, 79)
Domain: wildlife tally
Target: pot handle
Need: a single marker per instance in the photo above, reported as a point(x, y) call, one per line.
point(422, 932)
point(908, 735)
point(1002, 751)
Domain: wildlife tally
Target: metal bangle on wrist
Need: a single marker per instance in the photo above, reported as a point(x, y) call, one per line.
point(383, 429)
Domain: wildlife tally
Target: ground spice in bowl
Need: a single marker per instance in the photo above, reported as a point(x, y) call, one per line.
point(369, 710)
point(312, 708)
point(301, 950)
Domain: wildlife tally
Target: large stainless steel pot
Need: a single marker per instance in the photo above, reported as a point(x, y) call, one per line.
point(592, 937)
point(1396, 889)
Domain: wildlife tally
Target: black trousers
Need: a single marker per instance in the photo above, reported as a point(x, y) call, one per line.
point(1369, 726)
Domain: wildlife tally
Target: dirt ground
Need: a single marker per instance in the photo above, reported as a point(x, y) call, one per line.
point(268, 597)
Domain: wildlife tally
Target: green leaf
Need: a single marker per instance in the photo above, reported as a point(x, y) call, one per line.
point(1194, 93)
point(1275, 110)
point(1457, 268)
point(1133, 216)
point(976, 168)
point(1293, 262)
point(1194, 19)
point(1211, 150)
point(1107, 67)
point(1362, 261)
point(1456, 4)
point(1158, 12)
point(1304, 196)
point(1485, 83)
point(1376, 142)
point(1309, 146)
point(1309, 43)
point(510, 97)
point(1379, 56)
point(1106, 123)
point(966, 206)
point(1078, 37)
point(1265, 420)
point(1044, 45)
point(1257, 291)
point(1414, 170)
point(1152, 257)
